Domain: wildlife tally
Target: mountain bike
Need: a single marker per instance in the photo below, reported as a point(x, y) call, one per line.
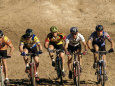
point(100, 70)
point(32, 69)
point(76, 69)
point(2, 82)
point(58, 64)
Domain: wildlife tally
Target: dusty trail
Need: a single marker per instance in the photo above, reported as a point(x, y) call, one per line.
point(18, 15)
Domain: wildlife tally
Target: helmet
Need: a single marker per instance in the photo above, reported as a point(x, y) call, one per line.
point(1, 33)
point(99, 28)
point(53, 29)
point(29, 32)
point(73, 30)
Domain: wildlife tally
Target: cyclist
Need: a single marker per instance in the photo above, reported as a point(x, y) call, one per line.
point(55, 40)
point(28, 43)
point(4, 44)
point(73, 44)
point(97, 40)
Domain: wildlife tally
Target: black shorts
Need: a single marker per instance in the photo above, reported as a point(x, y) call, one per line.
point(57, 46)
point(74, 48)
point(33, 50)
point(101, 48)
point(3, 53)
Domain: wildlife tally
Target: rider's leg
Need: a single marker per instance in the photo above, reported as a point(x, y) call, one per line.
point(96, 47)
point(62, 56)
point(51, 53)
point(36, 59)
point(5, 68)
point(70, 66)
point(69, 62)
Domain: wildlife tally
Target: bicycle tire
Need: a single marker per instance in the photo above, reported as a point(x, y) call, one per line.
point(98, 74)
point(60, 69)
point(77, 75)
point(103, 74)
point(33, 81)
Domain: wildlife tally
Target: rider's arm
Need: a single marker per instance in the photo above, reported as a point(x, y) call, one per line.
point(66, 43)
point(38, 43)
point(85, 45)
point(46, 44)
point(109, 39)
point(9, 43)
point(11, 49)
point(83, 41)
point(89, 44)
point(21, 45)
point(65, 46)
point(21, 48)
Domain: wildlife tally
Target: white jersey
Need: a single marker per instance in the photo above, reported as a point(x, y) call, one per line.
point(74, 42)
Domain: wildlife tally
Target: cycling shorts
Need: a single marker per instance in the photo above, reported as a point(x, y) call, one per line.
point(33, 50)
point(101, 48)
point(57, 46)
point(3, 53)
point(74, 48)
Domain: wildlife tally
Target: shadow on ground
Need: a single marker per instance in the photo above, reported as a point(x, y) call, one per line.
point(43, 82)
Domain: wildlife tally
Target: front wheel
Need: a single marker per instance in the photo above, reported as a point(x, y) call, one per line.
point(103, 75)
point(33, 80)
point(59, 68)
point(77, 75)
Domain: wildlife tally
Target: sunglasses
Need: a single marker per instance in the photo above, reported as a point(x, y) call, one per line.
point(74, 33)
point(100, 31)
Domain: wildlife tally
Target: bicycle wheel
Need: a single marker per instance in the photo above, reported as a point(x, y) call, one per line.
point(33, 81)
point(1, 78)
point(60, 69)
point(98, 72)
point(77, 75)
point(103, 74)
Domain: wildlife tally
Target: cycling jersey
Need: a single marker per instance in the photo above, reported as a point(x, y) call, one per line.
point(99, 40)
point(29, 43)
point(74, 42)
point(58, 40)
point(4, 43)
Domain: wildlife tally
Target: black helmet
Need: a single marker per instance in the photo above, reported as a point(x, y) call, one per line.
point(99, 28)
point(29, 32)
point(1, 33)
point(73, 30)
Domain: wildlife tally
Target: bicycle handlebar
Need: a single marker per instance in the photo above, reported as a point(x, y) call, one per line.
point(32, 54)
point(55, 50)
point(102, 52)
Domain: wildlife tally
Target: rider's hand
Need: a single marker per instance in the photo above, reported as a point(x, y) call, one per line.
point(23, 54)
point(85, 52)
point(111, 50)
point(40, 52)
point(49, 50)
point(92, 50)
